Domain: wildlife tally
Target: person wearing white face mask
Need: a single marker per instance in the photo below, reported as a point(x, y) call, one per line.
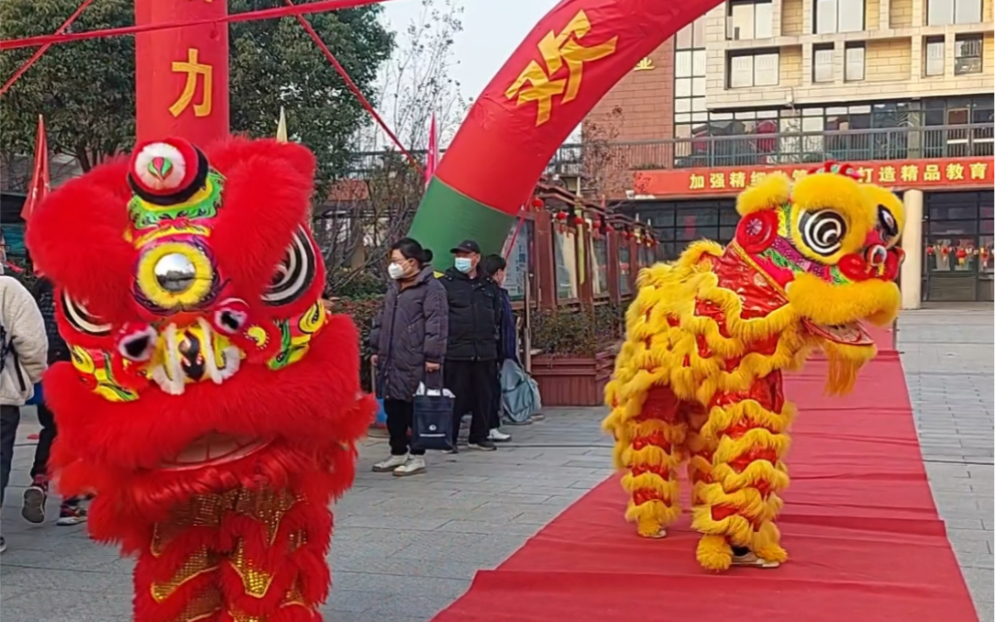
point(472, 351)
point(409, 338)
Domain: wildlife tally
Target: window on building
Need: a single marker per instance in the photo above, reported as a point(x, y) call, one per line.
point(839, 16)
point(749, 20)
point(753, 69)
point(853, 62)
point(689, 84)
point(967, 54)
point(944, 12)
point(934, 48)
point(974, 141)
point(822, 63)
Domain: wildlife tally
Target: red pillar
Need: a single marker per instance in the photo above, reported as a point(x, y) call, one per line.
point(181, 74)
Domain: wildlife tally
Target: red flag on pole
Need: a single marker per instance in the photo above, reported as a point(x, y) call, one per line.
point(432, 156)
point(40, 182)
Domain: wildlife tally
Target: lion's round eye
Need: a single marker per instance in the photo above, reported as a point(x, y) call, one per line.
point(822, 231)
point(81, 319)
point(296, 272)
point(888, 225)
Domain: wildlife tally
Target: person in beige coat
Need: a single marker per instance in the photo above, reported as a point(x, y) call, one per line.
point(23, 359)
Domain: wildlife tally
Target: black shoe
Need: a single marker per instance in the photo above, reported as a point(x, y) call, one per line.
point(484, 445)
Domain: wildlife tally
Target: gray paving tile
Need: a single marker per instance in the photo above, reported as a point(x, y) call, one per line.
point(948, 359)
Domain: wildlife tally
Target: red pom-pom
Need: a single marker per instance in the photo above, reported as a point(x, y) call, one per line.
point(756, 232)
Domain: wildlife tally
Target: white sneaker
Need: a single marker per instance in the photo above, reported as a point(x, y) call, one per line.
point(413, 466)
point(752, 560)
point(388, 465)
point(498, 436)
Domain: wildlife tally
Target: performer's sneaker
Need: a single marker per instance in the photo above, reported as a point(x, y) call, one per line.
point(498, 436)
point(71, 513)
point(749, 559)
point(388, 465)
point(413, 466)
point(35, 497)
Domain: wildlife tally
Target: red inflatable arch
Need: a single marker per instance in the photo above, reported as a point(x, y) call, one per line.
point(573, 56)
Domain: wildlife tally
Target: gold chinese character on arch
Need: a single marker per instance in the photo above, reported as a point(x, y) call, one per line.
point(931, 172)
point(716, 180)
point(798, 173)
point(737, 180)
point(536, 82)
point(979, 170)
point(697, 182)
point(194, 69)
point(756, 177)
point(954, 172)
point(645, 64)
point(866, 174)
point(910, 172)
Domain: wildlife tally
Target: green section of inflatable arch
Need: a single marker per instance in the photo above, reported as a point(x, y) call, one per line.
point(447, 216)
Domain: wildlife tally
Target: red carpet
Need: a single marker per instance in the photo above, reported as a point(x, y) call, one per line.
point(859, 522)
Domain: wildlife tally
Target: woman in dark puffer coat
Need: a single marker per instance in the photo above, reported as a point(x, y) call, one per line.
point(409, 337)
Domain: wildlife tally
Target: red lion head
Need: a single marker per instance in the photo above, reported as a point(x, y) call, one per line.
point(190, 296)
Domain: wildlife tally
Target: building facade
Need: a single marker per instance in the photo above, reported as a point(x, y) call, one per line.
point(900, 88)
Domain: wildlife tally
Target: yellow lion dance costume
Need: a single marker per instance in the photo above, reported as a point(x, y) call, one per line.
point(699, 376)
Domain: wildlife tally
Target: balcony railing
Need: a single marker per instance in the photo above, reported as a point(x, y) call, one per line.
point(902, 143)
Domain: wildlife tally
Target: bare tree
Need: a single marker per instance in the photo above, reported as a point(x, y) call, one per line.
point(374, 205)
point(605, 166)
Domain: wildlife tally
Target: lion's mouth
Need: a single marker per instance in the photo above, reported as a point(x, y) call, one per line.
point(194, 353)
point(849, 334)
point(212, 450)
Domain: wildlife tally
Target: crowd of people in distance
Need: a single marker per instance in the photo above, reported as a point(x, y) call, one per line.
point(450, 331)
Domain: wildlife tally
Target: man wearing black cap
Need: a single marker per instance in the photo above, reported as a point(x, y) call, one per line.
point(472, 350)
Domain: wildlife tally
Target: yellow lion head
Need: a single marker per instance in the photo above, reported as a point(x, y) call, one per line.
point(830, 243)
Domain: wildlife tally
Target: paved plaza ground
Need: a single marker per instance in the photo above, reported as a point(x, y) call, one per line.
point(405, 548)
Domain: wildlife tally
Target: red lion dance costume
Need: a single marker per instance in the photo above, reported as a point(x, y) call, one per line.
point(699, 377)
point(211, 404)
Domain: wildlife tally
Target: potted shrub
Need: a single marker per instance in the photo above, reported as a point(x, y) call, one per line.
point(578, 350)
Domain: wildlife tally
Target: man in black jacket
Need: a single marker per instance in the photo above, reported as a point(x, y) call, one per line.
point(71, 512)
point(472, 349)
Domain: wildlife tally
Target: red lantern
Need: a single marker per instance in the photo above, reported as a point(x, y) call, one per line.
point(579, 220)
point(537, 204)
point(561, 216)
point(608, 227)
